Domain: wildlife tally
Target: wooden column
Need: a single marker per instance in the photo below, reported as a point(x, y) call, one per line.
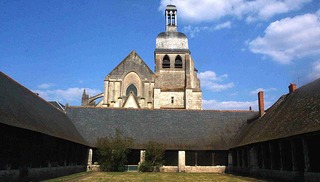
point(271, 156)
point(294, 155)
point(238, 158)
point(230, 159)
point(212, 157)
point(263, 159)
point(306, 155)
point(243, 157)
point(195, 158)
point(253, 158)
point(281, 156)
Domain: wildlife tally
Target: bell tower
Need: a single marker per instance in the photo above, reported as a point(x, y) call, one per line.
point(176, 82)
point(171, 18)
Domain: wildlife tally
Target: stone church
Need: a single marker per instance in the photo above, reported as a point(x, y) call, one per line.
point(41, 140)
point(174, 85)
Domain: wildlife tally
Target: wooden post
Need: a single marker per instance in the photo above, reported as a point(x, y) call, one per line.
point(271, 156)
point(281, 156)
point(306, 155)
point(294, 155)
point(238, 158)
point(263, 159)
point(212, 157)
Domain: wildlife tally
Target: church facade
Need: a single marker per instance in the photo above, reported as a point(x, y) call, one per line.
point(174, 85)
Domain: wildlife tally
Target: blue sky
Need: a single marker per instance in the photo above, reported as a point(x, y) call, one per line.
point(58, 48)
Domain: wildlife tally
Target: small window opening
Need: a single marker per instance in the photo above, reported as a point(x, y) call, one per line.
point(173, 19)
point(166, 62)
point(178, 62)
point(132, 89)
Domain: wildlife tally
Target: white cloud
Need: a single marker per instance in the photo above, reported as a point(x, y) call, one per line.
point(315, 73)
point(289, 39)
point(223, 25)
point(255, 92)
point(195, 30)
point(67, 95)
point(228, 105)
point(196, 11)
point(210, 81)
point(45, 85)
point(211, 75)
point(232, 105)
point(251, 10)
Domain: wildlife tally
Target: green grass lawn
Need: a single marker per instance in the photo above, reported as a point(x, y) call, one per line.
point(136, 176)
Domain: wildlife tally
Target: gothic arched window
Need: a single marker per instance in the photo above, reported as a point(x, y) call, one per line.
point(178, 62)
point(166, 62)
point(132, 89)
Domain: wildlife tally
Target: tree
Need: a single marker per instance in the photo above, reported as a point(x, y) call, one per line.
point(113, 151)
point(153, 157)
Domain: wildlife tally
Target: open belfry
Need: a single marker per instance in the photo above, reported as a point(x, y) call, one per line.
point(174, 85)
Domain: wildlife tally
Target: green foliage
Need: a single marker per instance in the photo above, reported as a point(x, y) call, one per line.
point(145, 167)
point(153, 157)
point(113, 151)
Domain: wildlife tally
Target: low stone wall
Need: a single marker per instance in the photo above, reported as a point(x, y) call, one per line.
point(195, 169)
point(169, 169)
point(38, 174)
point(205, 169)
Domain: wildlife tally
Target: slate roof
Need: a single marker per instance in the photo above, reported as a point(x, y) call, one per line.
point(19, 107)
point(293, 114)
point(177, 129)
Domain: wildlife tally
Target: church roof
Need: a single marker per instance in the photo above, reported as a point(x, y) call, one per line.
point(133, 62)
point(169, 40)
point(24, 109)
point(177, 129)
point(171, 6)
point(293, 114)
point(167, 35)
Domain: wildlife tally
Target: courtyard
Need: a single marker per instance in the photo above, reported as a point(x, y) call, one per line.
point(137, 176)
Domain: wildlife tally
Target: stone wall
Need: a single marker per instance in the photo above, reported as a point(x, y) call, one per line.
point(195, 169)
point(205, 169)
point(193, 99)
point(165, 100)
point(132, 70)
point(171, 80)
point(169, 169)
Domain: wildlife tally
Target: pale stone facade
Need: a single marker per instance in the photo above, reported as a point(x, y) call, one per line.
point(174, 85)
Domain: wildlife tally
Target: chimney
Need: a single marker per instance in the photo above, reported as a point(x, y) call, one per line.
point(261, 103)
point(292, 87)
